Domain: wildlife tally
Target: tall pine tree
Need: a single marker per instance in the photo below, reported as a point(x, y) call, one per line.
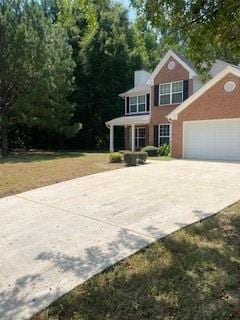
point(36, 71)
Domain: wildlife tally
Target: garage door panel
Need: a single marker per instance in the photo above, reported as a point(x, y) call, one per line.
point(213, 139)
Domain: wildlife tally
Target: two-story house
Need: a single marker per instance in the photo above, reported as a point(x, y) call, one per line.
point(155, 110)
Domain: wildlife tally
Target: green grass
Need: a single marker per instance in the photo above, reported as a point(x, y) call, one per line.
point(27, 170)
point(192, 274)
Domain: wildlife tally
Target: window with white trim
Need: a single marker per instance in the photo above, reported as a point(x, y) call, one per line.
point(164, 134)
point(137, 104)
point(171, 93)
point(140, 137)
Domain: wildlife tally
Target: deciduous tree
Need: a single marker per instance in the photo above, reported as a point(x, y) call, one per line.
point(207, 29)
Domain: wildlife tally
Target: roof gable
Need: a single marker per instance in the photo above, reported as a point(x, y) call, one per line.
point(180, 59)
point(228, 70)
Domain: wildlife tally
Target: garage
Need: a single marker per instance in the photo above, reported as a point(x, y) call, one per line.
point(212, 139)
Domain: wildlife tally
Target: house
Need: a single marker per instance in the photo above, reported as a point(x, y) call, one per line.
point(172, 106)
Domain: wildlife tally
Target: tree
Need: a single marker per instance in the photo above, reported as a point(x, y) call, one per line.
point(207, 29)
point(105, 61)
point(35, 71)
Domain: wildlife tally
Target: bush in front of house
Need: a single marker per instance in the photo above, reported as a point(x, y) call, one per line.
point(151, 151)
point(164, 150)
point(142, 157)
point(115, 157)
point(130, 158)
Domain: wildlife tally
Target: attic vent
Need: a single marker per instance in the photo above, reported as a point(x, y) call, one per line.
point(229, 86)
point(171, 65)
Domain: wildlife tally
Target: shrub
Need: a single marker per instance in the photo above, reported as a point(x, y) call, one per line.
point(130, 158)
point(164, 150)
point(115, 157)
point(142, 157)
point(151, 151)
point(123, 151)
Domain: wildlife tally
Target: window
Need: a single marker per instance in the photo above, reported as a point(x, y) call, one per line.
point(137, 104)
point(140, 137)
point(164, 134)
point(133, 104)
point(165, 93)
point(171, 93)
point(141, 103)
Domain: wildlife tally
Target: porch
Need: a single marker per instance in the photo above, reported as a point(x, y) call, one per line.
point(136, 131)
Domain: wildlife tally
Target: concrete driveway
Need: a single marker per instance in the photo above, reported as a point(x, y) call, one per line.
point(56, 237)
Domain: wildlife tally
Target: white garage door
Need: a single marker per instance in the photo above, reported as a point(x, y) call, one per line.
point(212, 139)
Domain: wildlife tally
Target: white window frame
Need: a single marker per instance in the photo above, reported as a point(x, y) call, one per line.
point(145, 110)
point(170, 93)
point(137, 136)
point(170, 133)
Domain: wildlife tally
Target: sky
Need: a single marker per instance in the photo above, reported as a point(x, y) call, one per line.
point(132, 13)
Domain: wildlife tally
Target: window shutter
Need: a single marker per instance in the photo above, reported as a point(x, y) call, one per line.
point(156, 95)
point(156, 136)
point(185, 89)
point(127, 102)
point(148, 102)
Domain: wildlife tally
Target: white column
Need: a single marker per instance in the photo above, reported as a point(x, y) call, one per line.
point(111, 138)
point(133, 136)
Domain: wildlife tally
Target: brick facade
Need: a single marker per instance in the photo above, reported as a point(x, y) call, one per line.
point(159, 113)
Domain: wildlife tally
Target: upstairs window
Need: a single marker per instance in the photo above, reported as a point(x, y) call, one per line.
point(141, 103)
point(171, 93)
point(133, 104)
point(137, 104)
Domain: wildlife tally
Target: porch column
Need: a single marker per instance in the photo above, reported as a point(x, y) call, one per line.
point(133, 136)
point(111, 138)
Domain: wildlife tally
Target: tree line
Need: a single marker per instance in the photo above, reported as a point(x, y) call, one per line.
point(64, 62)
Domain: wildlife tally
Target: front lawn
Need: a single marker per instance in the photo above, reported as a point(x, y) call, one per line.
point(25, 171)
point(191, 274)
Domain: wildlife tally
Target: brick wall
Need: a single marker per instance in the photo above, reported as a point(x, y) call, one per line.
point(158, 114)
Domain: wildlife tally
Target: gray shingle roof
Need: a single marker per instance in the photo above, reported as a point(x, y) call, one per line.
point(184, 59)
point(143, 88)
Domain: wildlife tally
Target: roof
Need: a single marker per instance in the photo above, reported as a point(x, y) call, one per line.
point(188, 62)
point(229, 69)
point(219, 65)
point(128, 120)
point(137, 90)
point(180, 59)
point(228, 63)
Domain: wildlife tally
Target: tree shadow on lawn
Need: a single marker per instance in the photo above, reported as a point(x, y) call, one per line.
point(27, 157)
point(192, 274)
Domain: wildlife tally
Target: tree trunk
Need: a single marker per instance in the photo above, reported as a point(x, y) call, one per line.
point(5, 143)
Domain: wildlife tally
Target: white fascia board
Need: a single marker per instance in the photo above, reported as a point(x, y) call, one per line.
point(174, 114)
point(169, 54)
